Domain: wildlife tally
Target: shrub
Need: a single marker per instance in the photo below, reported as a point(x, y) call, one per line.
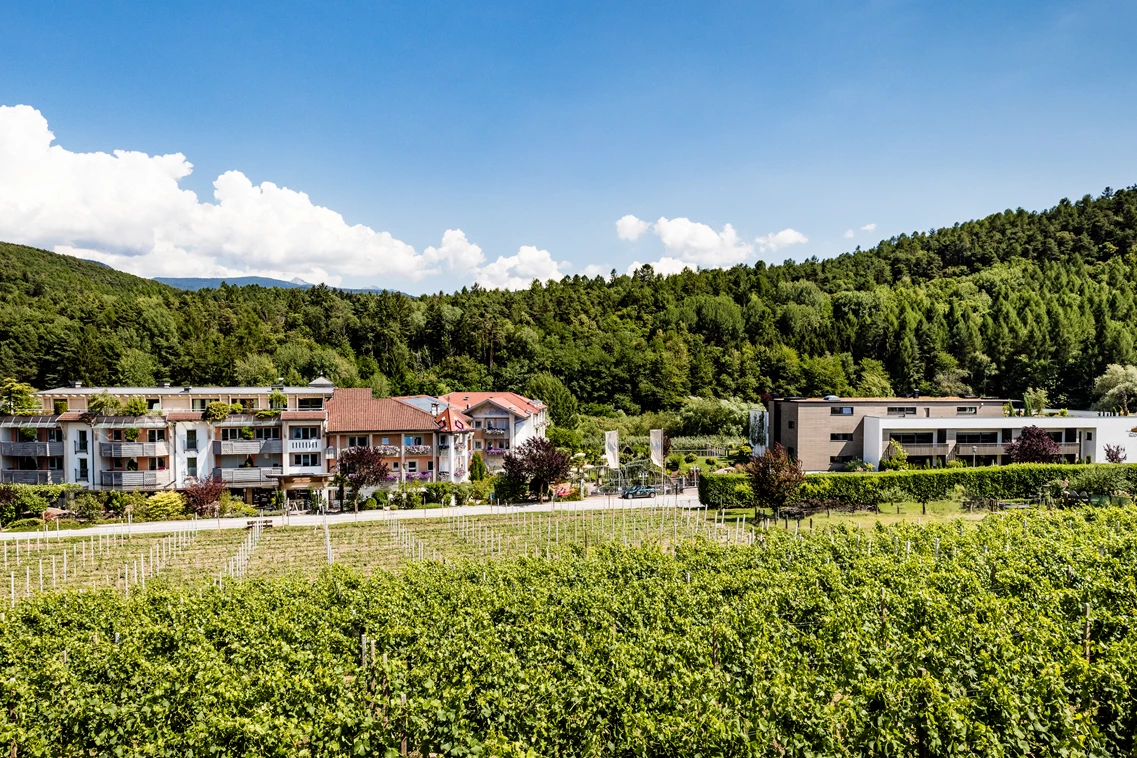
point(217, 411)
point(87, 506)
point(162, 506)
point(131, 434)
point(710, 462)
point(370, 504)
point(136, 406)
point(247, 433)
point(27, 434)
point(29, 502)
point(690, 458)
point(1024, 480)
point(237, 408)
point(25, 524)
point(438, 492)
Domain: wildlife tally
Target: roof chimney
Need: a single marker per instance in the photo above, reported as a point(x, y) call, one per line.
point(916, 394)
point(164, 384)
point(434, 409)
point(76, 384)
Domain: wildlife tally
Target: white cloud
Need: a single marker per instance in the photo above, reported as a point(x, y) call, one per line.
point(127, 209)
point(700, 245)
point(778, 240)
point(456, 251)
point(664, 266)
point(631, 228)
point(849, 234)
point(518, 271)
point(868, 227)
point(595, 269)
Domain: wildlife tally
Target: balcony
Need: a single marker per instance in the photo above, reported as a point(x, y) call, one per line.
point(495, 451)
point(265, 475)
point(31, 477)
point(963, 449)
point(132, 479)
point(249, 447)
point(305, 446)
point(927, 450)
point(494, 432)
point(389, 450)
point(134, 449)
point(418, 450)
point(31, 449)
point(81, 446)
point(1069, 448)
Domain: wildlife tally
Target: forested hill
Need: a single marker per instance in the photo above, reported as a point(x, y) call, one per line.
point(1011, 301)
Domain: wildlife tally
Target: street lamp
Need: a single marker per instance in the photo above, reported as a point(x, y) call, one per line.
point(974, 449)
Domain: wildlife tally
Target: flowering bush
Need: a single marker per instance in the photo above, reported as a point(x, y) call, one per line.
point(418, 449)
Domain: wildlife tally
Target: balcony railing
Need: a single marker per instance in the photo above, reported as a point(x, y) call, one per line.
point(495, 451)
point(134, 449)
point(81, 446)
point(304, 446)
point(31, 477)
point(495, 432)
point(135, 478)
point(1069, 448)
point(932, 449)
point(249, 447)
point(82, 474)
point(387, 449)
point(963, 449)
point(262, 475)
point(31, 449)
point(418, 450)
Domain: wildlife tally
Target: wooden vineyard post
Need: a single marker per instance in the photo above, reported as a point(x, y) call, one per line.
point(883, 612)
point(1086, 634)
point(403, 742)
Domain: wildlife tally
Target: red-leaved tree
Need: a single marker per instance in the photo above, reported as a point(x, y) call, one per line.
point(361, 467)
point(1033, 446)
point(775, 479)
point(538, 464)
point(202, 494)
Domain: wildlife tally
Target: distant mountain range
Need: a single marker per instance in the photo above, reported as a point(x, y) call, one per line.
point(194, 283)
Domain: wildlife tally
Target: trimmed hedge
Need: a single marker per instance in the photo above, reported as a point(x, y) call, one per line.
point(1012, 481)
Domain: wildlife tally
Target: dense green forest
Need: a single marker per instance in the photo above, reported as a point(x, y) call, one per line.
point(993, 306)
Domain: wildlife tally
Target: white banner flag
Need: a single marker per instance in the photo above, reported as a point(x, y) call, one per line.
point(612, 448)
point(657, 447)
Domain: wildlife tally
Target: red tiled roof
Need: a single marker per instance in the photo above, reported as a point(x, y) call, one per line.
point(71, 416)
point(509, 400)
point(451, 420)
point(354, 410)
point(185, 415)
point(303, 415)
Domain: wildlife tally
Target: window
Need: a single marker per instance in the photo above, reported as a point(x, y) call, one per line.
point(267, 433)
point(790, 424)
point(841, 410)
point(116, 464)
point(977, 438)
point(201, 403)
point(1056, 436)
point(1089, 436)
point(191, 466)
point(840, 458)
point(477, 424)
point(477, 444)
point(116, 435)
point(153, 403)
point(966, 410)
point(430, 465)
point(55, 463)
point(83, 469)
point(81, 443)
point(409, 440)
point(230, 434)
point(311, 404)
point(358, 442)
point(841, 436)
point(305, 432)
point(248, 403)
point(305, 459)
point(901, 410)
point(55, 435)
point(911, 438)
point(412, 467)
point(157, 464)
point(155, 435)
point(394, 465)
point(191, 443)
point(386, 441)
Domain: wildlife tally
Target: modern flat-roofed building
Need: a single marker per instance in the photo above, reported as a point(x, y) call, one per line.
point(824, 434)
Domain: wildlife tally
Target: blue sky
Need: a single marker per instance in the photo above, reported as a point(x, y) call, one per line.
point(534, 127)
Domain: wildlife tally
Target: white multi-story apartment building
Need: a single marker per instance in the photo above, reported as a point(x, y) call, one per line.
point(502, 421)
point(274, 440)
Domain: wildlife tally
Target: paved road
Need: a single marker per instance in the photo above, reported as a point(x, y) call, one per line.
point(588, 504)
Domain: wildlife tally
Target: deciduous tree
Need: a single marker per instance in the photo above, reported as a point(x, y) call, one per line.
point(1033, 446)
point(775, 479)
point(361, 467)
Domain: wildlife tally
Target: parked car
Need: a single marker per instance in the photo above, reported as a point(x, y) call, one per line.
point(640, 491)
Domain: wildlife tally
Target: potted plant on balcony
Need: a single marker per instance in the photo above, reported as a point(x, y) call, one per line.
point(131, 434)
point(27, 434)
point(217, 411)
point(247, 432)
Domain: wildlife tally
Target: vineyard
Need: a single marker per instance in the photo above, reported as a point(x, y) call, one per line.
point(635, 633)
